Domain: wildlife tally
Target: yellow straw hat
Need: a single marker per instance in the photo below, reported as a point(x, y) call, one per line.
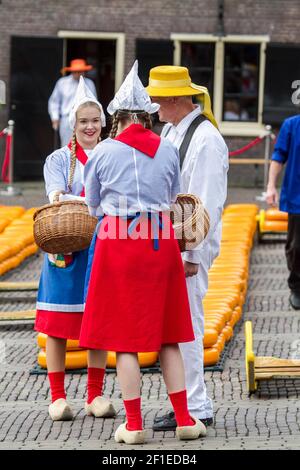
point(172, 80)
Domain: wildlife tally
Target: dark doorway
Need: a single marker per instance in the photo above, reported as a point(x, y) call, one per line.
point(35, 67)
point(101, 55)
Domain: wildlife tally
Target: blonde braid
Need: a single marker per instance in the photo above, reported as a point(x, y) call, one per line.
point(114, 127)
point(73, 162)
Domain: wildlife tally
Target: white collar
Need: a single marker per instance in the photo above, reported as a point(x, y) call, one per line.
point(183, 125)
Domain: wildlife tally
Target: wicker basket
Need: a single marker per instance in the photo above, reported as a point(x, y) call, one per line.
point(190, 221)
point(63, 227)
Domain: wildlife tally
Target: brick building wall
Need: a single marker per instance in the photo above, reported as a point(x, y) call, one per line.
point(142, 19)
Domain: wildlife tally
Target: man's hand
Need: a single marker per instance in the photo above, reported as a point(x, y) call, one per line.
point(190, 269)
point(55, 124)
point(272, 196)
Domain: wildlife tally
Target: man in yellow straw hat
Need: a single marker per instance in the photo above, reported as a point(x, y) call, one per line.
point(61, 100)
point(204, 165)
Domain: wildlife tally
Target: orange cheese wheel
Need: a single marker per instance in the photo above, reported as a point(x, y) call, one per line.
point(274, 226)
point(77, 359)
point(275, 214)
point(234, 319)
point(211, 356)
point(220, 344)
point(74, 359)
point(226, 311)
point(5, 252)
point(228, 332)
point(72, 344)
point(242, 209)
point(232, 301)
point(146, 359)
point(239, 311)
point(213, 324)
point(210, 337)
point(216, 317)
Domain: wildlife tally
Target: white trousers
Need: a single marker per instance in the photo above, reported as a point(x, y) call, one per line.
point(199, 404)
point(65, 132)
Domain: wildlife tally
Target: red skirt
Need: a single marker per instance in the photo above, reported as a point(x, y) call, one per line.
point(65, 325)
point(137, 297)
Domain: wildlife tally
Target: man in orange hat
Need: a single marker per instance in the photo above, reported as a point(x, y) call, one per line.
point(62, 97)
point(204, 164)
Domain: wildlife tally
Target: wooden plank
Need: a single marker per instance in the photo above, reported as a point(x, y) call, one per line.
point(263, 376)
point(247, 161)
point(269, 361)
point(18, 315)
point(277, 370)
point(19, 286)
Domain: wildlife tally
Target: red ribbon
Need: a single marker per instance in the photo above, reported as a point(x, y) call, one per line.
point(5, 166)
point(246, 147)
point(81, 156)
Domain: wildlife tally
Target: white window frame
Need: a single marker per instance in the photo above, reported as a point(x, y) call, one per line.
point(120, 48)
point(229, 128)
point(2, 92)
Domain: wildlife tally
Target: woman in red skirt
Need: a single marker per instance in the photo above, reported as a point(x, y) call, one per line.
point(136, 298)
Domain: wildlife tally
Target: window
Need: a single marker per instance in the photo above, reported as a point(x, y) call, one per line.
point(241, 77)
point(282, 70)
point(152, 52)
point(199, 59)
point(232, 68)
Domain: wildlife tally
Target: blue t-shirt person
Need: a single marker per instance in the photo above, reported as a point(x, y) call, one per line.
point(287, 151)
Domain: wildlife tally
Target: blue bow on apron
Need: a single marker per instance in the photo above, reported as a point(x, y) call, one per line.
point(156, 225)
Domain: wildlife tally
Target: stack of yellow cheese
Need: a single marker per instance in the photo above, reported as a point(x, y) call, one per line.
point(228, 278)
point(76, 357)
point(272, 220)
point(16, 236)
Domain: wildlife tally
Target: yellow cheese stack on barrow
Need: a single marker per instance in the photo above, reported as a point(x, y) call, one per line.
point(228, 279)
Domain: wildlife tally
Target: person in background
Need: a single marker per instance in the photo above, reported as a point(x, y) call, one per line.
point(62, 97)
point(60, 301)
point(286, 152)
point(204, 165)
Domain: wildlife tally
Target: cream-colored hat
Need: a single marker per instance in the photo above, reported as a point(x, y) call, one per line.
point(132, 96)
point(84, 95)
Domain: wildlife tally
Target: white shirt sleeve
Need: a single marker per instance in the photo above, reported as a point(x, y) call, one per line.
point(92, 183)
point(176, 183)
point(65, 197)
point(54, 173)
point(210, 165)
point(54, 103)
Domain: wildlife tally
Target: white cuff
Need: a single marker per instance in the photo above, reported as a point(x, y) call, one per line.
point(192, 256)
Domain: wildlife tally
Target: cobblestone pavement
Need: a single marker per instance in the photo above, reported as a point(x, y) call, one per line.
point(269, 419)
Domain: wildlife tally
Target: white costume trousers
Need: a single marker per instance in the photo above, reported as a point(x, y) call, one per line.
point(65, 131)
point(199, 404)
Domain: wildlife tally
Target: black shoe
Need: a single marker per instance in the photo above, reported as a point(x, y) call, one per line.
point(170, 415)
point(207, 421)
point(295, 300)
point(165, 423)
point(168, 422)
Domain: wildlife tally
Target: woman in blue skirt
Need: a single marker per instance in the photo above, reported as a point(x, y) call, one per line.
point(60, 301)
